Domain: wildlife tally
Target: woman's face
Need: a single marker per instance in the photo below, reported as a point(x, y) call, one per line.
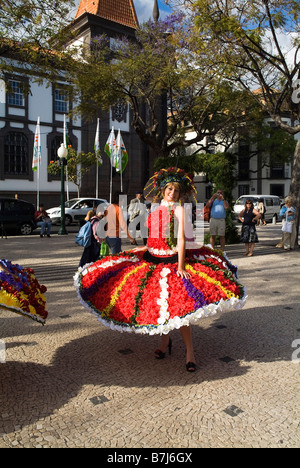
point(172, 193)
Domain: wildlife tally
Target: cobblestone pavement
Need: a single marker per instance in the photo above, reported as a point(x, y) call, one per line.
point(74, 383)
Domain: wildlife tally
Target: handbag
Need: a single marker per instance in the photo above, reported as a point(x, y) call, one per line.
point(287, 226)
point(104, 249)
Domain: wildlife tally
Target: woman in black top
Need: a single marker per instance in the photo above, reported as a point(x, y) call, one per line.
point(249, 216)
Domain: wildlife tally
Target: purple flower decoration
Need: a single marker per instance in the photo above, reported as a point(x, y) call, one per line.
point(195, 294)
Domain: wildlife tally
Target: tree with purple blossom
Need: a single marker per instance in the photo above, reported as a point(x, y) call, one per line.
point(168, 88)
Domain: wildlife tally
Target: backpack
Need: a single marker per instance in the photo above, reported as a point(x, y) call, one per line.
point(84, 236)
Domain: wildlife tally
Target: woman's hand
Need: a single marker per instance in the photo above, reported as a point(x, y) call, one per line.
point(139, 249)
point(181, 273)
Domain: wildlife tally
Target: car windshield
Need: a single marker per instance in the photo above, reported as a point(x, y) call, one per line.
point(72, 202)
point(242, 200)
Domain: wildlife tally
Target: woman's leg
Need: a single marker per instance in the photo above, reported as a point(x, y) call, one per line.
point(287, 240)
point(186, 333)
point(252, 244)
point(165, 340)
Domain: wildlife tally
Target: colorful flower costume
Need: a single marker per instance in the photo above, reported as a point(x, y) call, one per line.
point(142, 292)
point(21, 292)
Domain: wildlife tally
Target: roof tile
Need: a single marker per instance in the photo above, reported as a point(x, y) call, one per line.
point(118, 11)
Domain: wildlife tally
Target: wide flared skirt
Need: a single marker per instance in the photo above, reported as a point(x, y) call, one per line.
point(128, 293)
point(21, 293)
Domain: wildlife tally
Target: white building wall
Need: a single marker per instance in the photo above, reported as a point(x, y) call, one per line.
point(40, 104)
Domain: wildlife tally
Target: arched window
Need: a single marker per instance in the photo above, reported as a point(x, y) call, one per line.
point(16, 154)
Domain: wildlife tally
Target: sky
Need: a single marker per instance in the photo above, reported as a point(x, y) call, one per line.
point(144, 9)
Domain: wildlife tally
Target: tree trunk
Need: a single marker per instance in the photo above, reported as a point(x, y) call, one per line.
point(295, 188)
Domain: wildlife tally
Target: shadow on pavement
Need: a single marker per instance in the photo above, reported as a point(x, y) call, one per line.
point(30, 391)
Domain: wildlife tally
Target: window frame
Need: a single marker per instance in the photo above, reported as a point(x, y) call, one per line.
point(66, 92)
point(8, 155)
point(10, 95)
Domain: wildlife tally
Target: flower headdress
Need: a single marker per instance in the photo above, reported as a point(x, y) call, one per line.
point(161, 179)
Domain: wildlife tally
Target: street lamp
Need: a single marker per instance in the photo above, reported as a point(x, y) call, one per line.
point(62, 153)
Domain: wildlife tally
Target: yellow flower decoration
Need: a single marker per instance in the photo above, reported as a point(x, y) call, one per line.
point(117, 293)
point(228, 293)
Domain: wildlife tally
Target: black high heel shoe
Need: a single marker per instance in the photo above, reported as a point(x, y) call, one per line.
point(191, 367)
point(160, 355)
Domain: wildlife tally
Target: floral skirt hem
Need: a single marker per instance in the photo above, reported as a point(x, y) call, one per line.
point(173, 324)
point(24, 313)
point(127, 293)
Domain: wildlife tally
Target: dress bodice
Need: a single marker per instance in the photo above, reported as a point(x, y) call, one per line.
point(162, 239)
point(248, 217)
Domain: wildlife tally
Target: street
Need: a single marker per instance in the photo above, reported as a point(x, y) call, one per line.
point(74, 383)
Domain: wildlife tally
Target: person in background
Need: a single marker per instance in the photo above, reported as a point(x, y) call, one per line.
point(138, 209)
point(43, 220)
point(249, 217)
point(218, 206)
point(115, 222)
point(288, 213)
point(261, 209)
point(92, 252)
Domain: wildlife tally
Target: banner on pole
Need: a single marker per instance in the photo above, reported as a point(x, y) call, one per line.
point(121, 154)
point(37, 149)
point(110, 147)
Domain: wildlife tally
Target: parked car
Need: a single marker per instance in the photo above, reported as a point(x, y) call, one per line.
point(16, 216)
point(75, 209)
point(271, 202)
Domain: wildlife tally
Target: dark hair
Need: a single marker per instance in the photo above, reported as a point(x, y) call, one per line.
point(249, 201)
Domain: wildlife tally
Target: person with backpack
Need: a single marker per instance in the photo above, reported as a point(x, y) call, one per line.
point(88, 239)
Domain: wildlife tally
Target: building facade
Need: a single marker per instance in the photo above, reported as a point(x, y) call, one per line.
point(253, 176)
point(20, 109)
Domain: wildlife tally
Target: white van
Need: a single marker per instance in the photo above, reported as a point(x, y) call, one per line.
point(271, 202)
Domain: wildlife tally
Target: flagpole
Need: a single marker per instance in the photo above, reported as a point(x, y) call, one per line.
point(112, 163)
point(38, 169)
point(36, 160)
point(66, 146)
point(121, 163)
point(38, 188)
point(96, 151)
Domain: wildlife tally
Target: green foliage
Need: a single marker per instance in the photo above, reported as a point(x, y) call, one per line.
point(78, 164)
point(34, 21)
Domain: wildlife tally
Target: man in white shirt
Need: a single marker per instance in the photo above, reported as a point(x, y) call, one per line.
point(138, 215)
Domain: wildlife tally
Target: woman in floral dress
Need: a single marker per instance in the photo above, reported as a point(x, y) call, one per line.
point(161, 287)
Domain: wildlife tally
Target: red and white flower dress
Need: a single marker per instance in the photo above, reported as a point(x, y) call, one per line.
point(142, 293)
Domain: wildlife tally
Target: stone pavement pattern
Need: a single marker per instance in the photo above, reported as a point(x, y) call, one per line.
point(74, 383)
